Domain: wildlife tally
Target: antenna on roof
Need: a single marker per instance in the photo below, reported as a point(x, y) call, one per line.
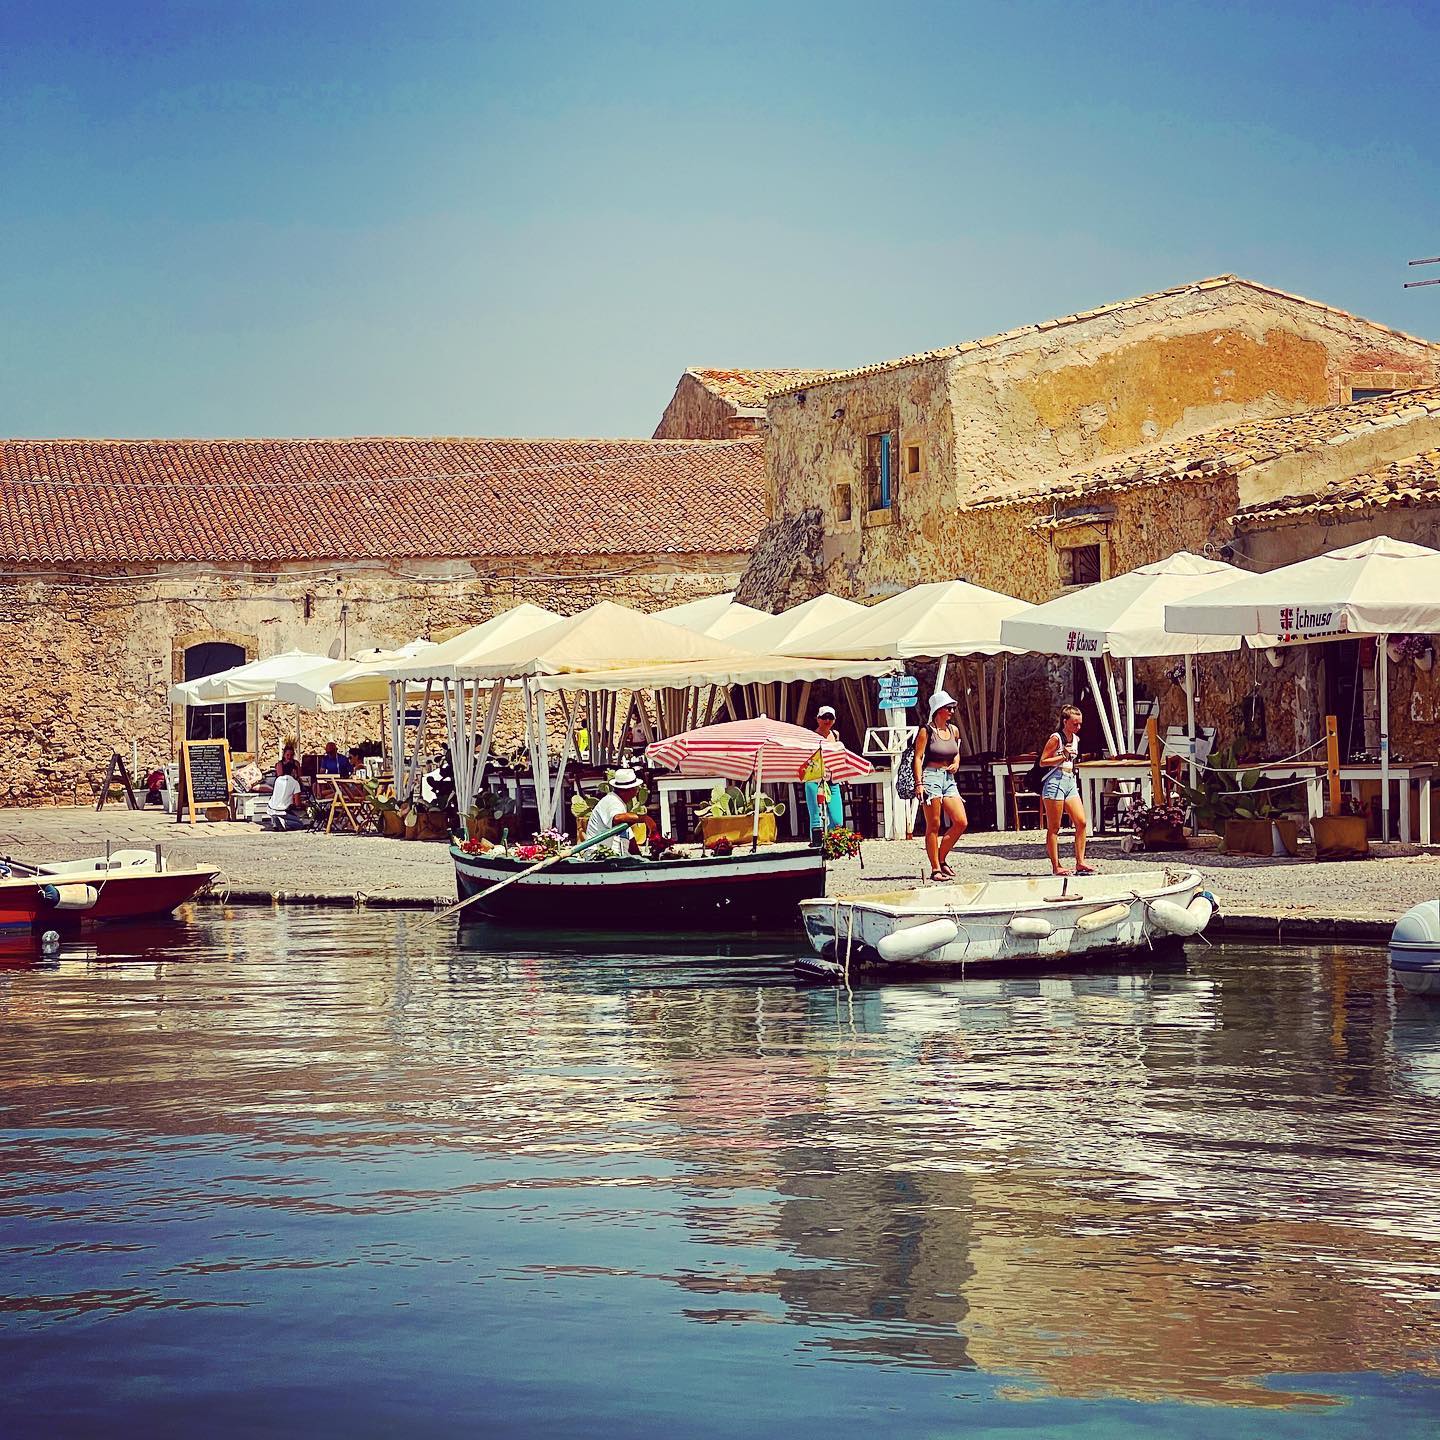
point(1416, 284)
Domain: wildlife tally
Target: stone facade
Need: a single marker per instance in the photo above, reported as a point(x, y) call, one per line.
point(1017, 411)
point(118, 557)
point(713, 404)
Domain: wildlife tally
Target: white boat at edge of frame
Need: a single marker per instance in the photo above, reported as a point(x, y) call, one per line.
point(1007, 921)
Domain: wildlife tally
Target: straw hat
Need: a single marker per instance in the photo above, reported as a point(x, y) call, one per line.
point(624, 779)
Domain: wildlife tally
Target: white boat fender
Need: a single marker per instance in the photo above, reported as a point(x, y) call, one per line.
point(1415, 940)
point(918, 940)
point(1102, 919)
point(69, 897)
point(1183, 920)
point(1030, 927)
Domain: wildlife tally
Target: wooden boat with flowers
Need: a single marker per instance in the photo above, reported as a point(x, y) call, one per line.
point(1012, 922)
point(65, 895)
point(686, 889)
point(747, 886)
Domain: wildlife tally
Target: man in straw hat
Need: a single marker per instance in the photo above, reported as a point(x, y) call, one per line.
point(617, 808)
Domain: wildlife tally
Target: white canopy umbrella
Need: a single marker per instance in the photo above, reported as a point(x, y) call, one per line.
point(1124, 617)
point(720, 616)
point(255, 680)
point(1378, 587)
point(934, 622)
point(314, 690)
point(787, 632)
point(948, 617)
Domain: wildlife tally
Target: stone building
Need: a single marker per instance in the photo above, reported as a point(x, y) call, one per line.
point(126, 565)
point(723, 404)
point(1222, 417)
point(893, 457)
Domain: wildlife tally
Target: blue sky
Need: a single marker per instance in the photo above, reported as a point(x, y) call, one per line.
point(308, 217)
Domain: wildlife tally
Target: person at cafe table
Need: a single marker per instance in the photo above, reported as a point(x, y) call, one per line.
point(332, 762)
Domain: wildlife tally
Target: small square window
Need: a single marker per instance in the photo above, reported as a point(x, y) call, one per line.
point(842, 503)
point(912, 459)
point(1080, 565)
point(1357, 393)
point(879, 471)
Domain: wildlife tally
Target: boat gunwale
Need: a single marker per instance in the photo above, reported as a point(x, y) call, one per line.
point(1043, 906)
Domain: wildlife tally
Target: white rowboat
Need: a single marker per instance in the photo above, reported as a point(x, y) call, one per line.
point(1043, 920)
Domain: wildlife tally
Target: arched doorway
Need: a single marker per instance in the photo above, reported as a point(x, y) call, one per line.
point(216, 722)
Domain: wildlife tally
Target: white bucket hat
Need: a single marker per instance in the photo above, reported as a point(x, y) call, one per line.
point(825, 710)
point(624, 779)
point(939, 700)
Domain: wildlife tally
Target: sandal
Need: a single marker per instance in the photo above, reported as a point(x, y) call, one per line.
point(947, 872)
point(1085, 870)
point(937, 877)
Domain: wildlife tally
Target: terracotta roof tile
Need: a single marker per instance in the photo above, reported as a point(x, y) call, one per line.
point(119, 501)
point(969, 347)
point(1229, 449)
point(748, 388)
point(1415, 480)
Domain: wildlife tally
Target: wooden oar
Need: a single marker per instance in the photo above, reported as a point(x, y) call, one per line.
point(529, 870)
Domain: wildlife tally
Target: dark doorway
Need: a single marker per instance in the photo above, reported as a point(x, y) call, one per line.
point(1092, 733)
point(215, 722)
point(1345, 694)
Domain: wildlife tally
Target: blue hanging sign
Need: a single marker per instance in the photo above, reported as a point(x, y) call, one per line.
point(898, 692)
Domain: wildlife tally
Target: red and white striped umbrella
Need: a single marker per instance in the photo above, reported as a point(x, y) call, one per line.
point(739, 749)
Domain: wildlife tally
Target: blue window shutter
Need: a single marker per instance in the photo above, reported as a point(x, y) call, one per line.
point(884, 472)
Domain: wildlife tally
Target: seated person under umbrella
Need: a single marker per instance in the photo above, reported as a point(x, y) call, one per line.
point(617, 808)
point(332, 762)
point(285, 810)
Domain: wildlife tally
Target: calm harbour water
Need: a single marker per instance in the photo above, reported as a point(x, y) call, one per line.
point(324, 1174)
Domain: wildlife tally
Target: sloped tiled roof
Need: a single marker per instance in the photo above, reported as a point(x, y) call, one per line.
point(1412, 481)
point(1229, 449)
point(748, 388)
point(968, 347)
point(117, 501)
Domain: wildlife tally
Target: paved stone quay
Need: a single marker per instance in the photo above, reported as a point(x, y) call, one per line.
point(1283, 899)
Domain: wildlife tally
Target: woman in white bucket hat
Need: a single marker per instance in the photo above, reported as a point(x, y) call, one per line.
point(937, 758)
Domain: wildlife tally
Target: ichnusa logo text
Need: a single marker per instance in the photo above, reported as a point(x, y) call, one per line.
point(1079, 643)
point(1297, 620)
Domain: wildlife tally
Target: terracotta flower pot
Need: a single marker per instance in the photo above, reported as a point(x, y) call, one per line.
point(1248, 837)
point(1340, 837)
point(1163, 837)
point(736, 829)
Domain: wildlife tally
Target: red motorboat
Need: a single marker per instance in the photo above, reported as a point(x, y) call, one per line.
point(125, 885)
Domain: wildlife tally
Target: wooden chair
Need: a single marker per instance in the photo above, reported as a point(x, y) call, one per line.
point(1023, 803)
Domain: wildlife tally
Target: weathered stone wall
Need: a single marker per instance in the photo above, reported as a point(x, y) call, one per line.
point(695, 413)
point(88, 663)
point(1011, 413)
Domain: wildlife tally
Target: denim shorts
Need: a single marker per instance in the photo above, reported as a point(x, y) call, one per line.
point(1057, 785)
point(938, 784)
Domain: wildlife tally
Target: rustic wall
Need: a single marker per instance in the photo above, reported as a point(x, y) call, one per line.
point(1009, 413)
point(695, 413)
point(89, 662)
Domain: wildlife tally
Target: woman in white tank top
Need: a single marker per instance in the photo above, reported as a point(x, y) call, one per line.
point(1060, 791)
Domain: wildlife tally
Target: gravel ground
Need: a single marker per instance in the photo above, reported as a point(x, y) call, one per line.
point(1359, 897)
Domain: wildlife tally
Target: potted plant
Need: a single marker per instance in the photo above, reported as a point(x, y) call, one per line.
point(838, 843)
point(1418, 648)
point(730, 816)
point(1229, 801)
point(1344, 836)
point(487, 810)
point(387, 813)
point(1160, 827)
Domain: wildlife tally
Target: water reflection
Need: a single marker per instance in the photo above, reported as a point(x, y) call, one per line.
point(1158, 1187)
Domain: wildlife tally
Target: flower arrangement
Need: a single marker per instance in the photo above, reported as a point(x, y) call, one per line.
point(1167, 816)
point(840, 843)
point(1409, 647)
point(475, 846)
point(721, 847)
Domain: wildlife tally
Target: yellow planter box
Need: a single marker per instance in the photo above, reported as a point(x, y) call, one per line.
point(736, 829)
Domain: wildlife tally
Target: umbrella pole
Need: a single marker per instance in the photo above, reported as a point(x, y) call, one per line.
point(1129, 705)
point(1382, 684)
point(755, 813)
point(1119, 731)
point(1190, 717)
point(1099, 695)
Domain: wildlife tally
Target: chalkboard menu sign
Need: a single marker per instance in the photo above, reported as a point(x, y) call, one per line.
point(204, 776)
